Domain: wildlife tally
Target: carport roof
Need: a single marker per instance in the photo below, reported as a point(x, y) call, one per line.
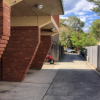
point(27, 7)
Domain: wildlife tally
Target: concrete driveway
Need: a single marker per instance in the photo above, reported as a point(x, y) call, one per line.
point(70, 79)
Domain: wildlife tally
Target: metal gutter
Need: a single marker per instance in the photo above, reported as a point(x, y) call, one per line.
point(62, 5)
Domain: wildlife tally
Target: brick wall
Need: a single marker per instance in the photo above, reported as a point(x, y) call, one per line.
point(56, 18)
point(44, 47)
point(20, 52)
point(4, 27)
point(0, 70)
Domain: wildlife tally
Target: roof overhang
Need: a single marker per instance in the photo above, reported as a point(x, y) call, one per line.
point(24, 13)
point(27, 7)
point(46, 23)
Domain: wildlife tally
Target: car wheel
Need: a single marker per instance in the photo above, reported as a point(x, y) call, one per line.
point(52, 62)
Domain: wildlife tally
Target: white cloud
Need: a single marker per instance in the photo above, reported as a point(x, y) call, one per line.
point(95, 15)
point(80, 8)
point(91, 18)
point(91, 21)
point(63, 17)
point(86, 27)
point(81, 5)
point(83, 18)
point(80, 13)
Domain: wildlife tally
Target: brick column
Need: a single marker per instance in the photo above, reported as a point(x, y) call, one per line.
point(56, 18)
point(44, 47)
point(20, 52)
point(4, 27)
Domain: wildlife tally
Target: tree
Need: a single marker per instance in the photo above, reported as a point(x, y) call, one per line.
point(97, 8)
point(63, 38)
point(95, 29)
point(62, 22)
point(75, 23)
point(85, 39)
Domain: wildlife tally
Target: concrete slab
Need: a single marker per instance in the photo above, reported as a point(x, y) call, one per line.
point(26, 91)
point(44, 76)
point(72, 66)
point(7, 86)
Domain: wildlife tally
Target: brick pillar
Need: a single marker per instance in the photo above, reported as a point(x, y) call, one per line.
point(56, 18)
point(44, 47)
point(4, 28)
point(20, 52)
point(0, 70)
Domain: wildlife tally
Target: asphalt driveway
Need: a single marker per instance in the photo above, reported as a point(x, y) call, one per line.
point(75, 80)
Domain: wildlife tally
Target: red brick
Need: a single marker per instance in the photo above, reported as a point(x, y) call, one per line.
point(2, 45)
point(2, 49)
point(3, 41)
point(5, 37)
point(44, 47)
point(1, 52)
point(4, 27)
point(56, 18)
point(20, 52)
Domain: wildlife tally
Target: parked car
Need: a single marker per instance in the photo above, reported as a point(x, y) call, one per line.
point(69, 50)
point(65, 49)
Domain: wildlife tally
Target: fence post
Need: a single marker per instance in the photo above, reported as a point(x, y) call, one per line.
point(98, 61)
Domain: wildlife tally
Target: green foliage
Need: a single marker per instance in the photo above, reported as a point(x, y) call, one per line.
point(95, 29)
point(75, 23)
point(62, 22)
point(85, 39)
point(97, 8)
point(63, 38)
point(75, 37)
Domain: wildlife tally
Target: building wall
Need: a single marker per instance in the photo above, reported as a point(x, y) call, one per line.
point(44, 47)
point(20, 52)
point(56, 18)
point(4, 28)
point(56, 38)
point(22, 49)
point(56, 49)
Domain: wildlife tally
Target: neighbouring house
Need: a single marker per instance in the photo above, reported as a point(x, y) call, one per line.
point(64, 28)
point(64, 33)
point(26, 31)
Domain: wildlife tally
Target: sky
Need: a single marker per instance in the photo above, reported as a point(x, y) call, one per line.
point(81, 9)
